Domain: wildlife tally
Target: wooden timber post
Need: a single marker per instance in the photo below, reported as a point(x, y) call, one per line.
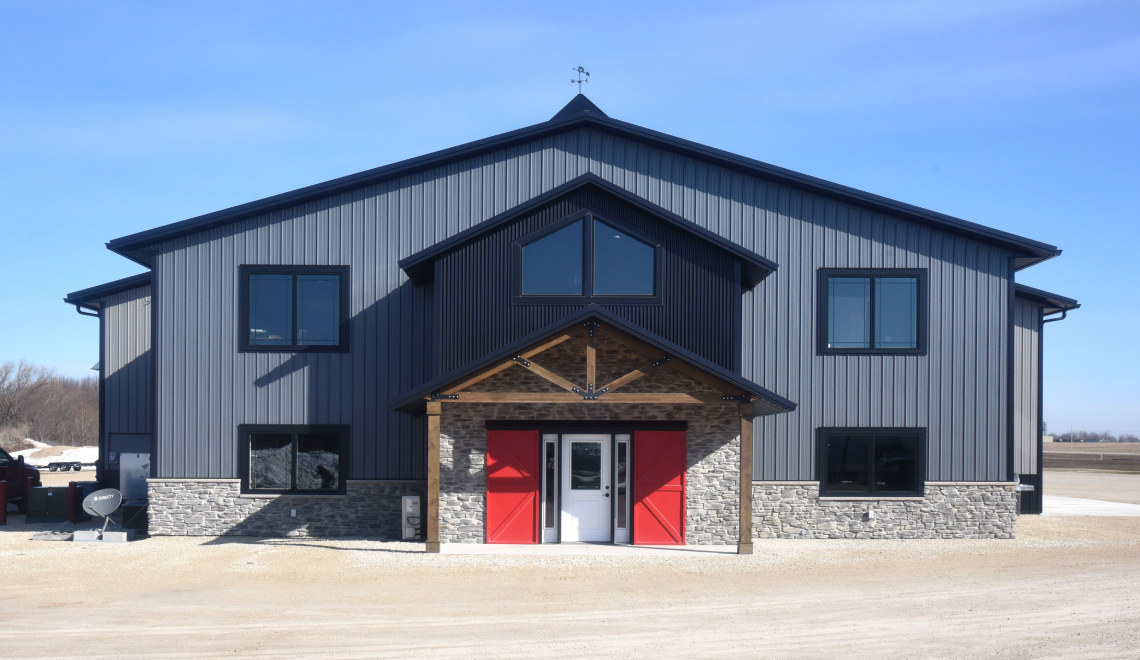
point(434, 410)
point(744, 546)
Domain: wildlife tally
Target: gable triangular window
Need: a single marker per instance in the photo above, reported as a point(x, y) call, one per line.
point(586, 258)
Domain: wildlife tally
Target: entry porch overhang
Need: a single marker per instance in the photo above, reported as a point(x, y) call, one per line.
point(591, 322)
point(695, 382)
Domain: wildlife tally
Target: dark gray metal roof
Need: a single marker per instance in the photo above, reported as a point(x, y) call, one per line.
point(755, 267)
point(92, 295)
point(765, 403)
point(581, 112)
point(1053, 302)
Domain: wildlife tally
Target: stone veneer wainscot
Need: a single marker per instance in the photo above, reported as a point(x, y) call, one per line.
point(215, 507)
point(947, 510)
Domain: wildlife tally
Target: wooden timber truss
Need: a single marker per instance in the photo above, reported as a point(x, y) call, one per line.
point(591, 391)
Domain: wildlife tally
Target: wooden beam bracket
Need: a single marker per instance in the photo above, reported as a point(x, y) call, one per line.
point(663, 360)
point(444, 397)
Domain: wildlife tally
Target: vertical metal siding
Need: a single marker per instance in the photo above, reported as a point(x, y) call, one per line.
point(957, 391)
point(127, 366)
point(699, 301)
point(1027, 337)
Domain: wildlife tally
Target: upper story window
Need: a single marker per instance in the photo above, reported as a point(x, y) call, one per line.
point(878, 311)
point(587, 258)
point(294, 308)
point(858, 462)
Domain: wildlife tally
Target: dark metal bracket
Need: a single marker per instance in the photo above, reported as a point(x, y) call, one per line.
point(445, 397)
point(592, 326)
point(663, 360)
point(742, 398)
point(521, 360)
point(590, 394)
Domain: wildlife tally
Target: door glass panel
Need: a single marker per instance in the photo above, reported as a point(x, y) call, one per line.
point(623, 265)
point(622, 463)
point(552, 265)
point(896, 312)
point(270, 310)
point(848, 464)
point(270, 460)
point(586, 466)
point(318, 461)
point(896, 460)
point(551, 481)
point(849, 312)
point(318, 310)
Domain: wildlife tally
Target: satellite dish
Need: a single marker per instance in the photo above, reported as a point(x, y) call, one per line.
point(102, 503)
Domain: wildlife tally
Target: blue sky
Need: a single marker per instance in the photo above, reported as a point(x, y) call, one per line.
point(117, 117)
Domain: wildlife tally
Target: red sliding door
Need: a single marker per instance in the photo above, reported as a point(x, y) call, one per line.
point(512, 486)
point(659, 488)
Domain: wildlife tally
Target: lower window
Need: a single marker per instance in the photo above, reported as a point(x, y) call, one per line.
point(864, 462)
point(293, 459)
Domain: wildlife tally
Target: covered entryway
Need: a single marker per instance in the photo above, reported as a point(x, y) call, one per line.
point(605, 456)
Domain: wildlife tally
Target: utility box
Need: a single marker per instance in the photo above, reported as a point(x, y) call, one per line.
point(134, 470)
point(47, 504)
point(410, 517)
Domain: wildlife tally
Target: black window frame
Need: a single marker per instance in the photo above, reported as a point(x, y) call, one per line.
point(246, 430)
point(244, 272)
point(588, 218)
point(922, 328)
point(822, 435)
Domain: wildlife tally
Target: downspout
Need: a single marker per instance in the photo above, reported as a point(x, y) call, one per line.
point(79, 308)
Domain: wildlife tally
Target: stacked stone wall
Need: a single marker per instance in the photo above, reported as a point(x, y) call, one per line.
point(216, 507)
point(947, 510)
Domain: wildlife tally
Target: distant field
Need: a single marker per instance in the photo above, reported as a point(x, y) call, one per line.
point(1094, 447)
point(1106, 456)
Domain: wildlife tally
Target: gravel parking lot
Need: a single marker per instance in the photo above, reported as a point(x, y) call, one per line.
point(1067, 587)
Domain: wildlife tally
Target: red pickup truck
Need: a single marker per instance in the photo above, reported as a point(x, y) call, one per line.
point(16, 473)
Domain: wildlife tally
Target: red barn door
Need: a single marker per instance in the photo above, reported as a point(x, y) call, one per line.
point(512, 486)
point(659, 488)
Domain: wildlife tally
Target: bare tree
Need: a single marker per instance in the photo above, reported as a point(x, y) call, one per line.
point(48, 407)
point(18, 382)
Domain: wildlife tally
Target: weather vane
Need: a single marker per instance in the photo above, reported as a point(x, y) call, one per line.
point(581, 72)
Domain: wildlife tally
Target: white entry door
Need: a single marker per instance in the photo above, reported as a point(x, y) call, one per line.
point(586, 488)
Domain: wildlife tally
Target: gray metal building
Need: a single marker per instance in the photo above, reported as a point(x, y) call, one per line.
point(176, 373)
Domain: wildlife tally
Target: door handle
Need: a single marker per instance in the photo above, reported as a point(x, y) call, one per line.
point(607, 494)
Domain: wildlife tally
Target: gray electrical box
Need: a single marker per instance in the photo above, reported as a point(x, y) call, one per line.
point(134, 470)
point(410, 516)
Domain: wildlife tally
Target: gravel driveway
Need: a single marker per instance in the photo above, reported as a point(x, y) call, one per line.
point(1065, 588)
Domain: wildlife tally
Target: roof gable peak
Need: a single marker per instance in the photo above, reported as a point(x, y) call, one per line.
point(578, 106)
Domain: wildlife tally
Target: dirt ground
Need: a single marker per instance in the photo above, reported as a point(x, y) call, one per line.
point(1066, 588)
point(1109, 486)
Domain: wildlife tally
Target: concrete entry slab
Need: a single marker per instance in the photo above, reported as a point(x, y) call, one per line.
point(1057, 505)
point(580, 549)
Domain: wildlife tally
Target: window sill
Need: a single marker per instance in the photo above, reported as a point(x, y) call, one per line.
point(871, 498)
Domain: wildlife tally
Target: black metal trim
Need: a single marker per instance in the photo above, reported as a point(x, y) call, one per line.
point(1011, 371)
point(561, 426)
point(343, 272)
point(1053, 303)
point(132, 246)
point(1040, 485)
point(588, 219)
point(922, 329)
point(342, 430)
point(95, 293)
point(821, 435)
